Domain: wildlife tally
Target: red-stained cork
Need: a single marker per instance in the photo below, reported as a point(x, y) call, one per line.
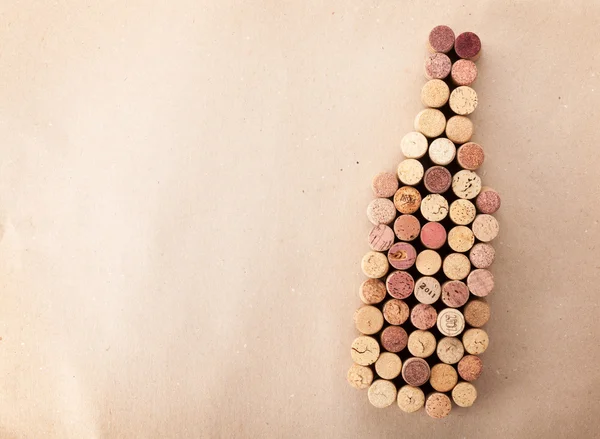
point(464, 72)
point(423, 316)
point(470, 156)
point(394, 339)
point(400, 284)
point(437, 66)
point(415, 371)
point(438, 179)
point(467, 45)
point(441, 39)
point(407, 227)
point(488, 201)
point(433, 235)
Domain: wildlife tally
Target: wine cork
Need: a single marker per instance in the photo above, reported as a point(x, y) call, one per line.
point(395, 312)
point(441, 39)
point(435, 94)
point(463, 100)
point(421, 344)
point(365, 350)
point(462, 212)
point(464, 72)
point(437, 66)
point(488, 201)
point(407, 227)
point(388, 366)
point(475, 341)
point(485, 227)
point(402, 255)
point(443, 377)
point(442, 151)
point(400, 284)
point(467, 46)
point(407, 200)
point(456, 266)
point(423, 317)
point(394, 339)
point(410, 399)
point(437, 180)
point(460, 239)
point(372, 291)
point(470, 156)
point(428, 262)
point(410, 172)
point(480, 282)
point(433, 235)
point(450, 322)
point(434, 207)
point(431, 122)
point(470, 367)
point(466, 184)
point(415, 371)
point(382, 393)
point(374, 265)
point(368, 320)
point(427, 290)
point(459, 129)
point(438, 405)
point(413, 145)
point(359, 377)
point(381, 211)
point(477, 313)
point(464, 394)
point(450, 350)
point(381, 238)
point(455, 293)
point(384, 185)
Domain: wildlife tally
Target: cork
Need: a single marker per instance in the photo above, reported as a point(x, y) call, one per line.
point(428, 262)
point(388, 366)
point(438, 405)
point(476, 341)
point(435, 93)
point(450, 322)
point(359, 377)
point(431, 122)
point(433, 235)
point(485, 227)
point(450, 350)
point(467, 46)
point(459, 129)
point(410, 172)
point(415, 371)
point(395, 312)
point(368, 320)
point(470, 367)
point(464, 72)
point(410, 399)
point(413, 145)
point(421, 344)
point(372, 291)
point(434, 207)
point(400, 284)
point(381, 211)
point(384, 185)
point(423, 316)
point(382, 393)
point(464, 394)
point(455, 293)
point(437, 179)
point(374, 265)
point(477, 313)
point(462, 212)
point(442, 151)
point(466, 184)
point(470, 156)
point(463, 100)
point(427, 290)
point(407, 200)
point(441, 39)
point(480, 282)
point(437, 66)
point(443, 377)
point(381, 238)
point(394, 339)
point(402, 255)
point(407, 227)
point(365, 350)
point(456, 266)
point(488, 201)
point(460, 239)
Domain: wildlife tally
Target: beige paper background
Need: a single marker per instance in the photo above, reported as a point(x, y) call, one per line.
point(182, 197)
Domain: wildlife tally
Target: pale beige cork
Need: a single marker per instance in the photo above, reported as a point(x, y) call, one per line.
point(477, 313)
point(466, 184)
point(410, 398)
point(410, 172)
point(461, 239)
point(434, 207)
point(359, 377)
point(435, 93)
point(430, 122)
point(427, 290)
point(485, 227)
point(381, 211)
point(462, 212)
point(456, 266)
point(459, 129)
point(451, 322)
point(374, 265)
point(384, 185)
point(365, 350)
point(464, 394)
point(480, 282)
point(372, 291)
point(368, 320)
point(482, 255)
point(450, 350)
point(443, 377)
point(428, 262)
point(382, 393)
point(388, 366)
point(395, 311)
point(421, 344)
point(413, 145)
point(407, 200)
point(438, 405)
point(463, 100)
point(442, 151)
point(475, 341)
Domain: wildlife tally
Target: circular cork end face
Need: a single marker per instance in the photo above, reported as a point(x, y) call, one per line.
point(381, 211)
point(423, 317)
point(442, 151)
point(466, 184)
point(388, 366)
point(410, 172)
point(407, 227)
point(381, 238)
point(456, 266)
point(460, 239)
point(421, 344)
point(464, 72)
point(433, 235)
point(437, 179)
point(438, 405)
point(365, 350)
point(450, 322)
point(455, 293)
point(431, 122)
point(413, 145)
point(368, 320)
point(464, 394)
point(410, 399)
point(415, 371)
point(459, 129)
point(372, 291)
point(485, 227)
point(407, 200)
point(462, 212)
point(428, 262)
point(435, 93)
point(402, 255)
point(437, 66)
point(467, 45)
point(463, 100)
point(477, 313)
point(450, 350)
point(382, 393)
point(400, 284)
point(394, 339)
point(434, 207)
point(476, 341)
point(480, 282)
point(441, 39)
point(384, 185)
point(443, 377)
point(470, 156)
point(395, 312)
point(488, 201)
point(427, 290)
point(374, 265)
point(470, 367)
point(359, 377)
